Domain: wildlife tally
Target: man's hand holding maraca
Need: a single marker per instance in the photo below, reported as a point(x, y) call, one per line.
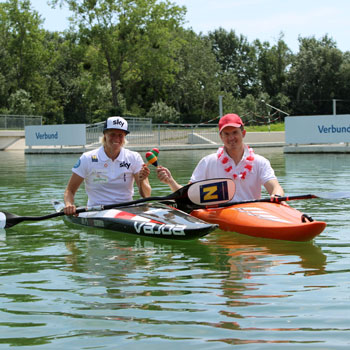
point(164, 175)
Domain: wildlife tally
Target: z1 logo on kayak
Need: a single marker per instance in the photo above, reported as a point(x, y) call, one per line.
point(157, 229)
point(216, 191)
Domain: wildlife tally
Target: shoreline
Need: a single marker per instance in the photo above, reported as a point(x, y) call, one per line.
point(14, 141)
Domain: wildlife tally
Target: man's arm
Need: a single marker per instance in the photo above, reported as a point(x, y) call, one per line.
point(164, 175)
point(274, 188)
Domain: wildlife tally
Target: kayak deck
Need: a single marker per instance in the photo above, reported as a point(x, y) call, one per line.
point(150, 220)
point(266, 220)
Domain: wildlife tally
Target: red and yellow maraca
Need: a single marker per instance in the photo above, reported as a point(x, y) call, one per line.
point(152, 156)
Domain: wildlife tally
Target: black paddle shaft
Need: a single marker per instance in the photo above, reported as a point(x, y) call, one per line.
point(323, 195)
point(12, 219)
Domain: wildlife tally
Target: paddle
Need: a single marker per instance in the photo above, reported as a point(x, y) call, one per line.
point(322, 195)
point(212, 192)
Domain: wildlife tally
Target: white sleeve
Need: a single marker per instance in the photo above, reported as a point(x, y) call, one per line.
point(266, 171)
point(80, 167)
point(200, 171)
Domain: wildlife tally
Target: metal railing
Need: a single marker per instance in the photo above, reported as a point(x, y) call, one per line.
point(138, 127)
point(178, 134)
point(142, 132)
point(18, 122)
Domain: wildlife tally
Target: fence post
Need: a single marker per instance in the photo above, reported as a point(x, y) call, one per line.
point(158, 134)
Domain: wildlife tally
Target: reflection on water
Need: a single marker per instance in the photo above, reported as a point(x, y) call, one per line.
point(252, 251)
point(65, 286)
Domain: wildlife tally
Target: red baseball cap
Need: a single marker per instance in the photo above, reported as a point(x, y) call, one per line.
point(230, 120)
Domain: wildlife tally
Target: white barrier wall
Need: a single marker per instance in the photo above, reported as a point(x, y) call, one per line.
point(56, 135)
point(317, 129)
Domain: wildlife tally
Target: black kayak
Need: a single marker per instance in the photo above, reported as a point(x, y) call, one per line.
point(148, 220)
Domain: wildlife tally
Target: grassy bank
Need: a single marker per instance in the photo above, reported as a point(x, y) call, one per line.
point(262, 128)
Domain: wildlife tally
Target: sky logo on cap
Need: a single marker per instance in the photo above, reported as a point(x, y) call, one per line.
point(118, 123)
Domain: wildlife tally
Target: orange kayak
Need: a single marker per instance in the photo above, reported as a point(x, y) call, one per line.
point(265, 220)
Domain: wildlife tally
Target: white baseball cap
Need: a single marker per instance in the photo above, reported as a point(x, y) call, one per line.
point(118, 123)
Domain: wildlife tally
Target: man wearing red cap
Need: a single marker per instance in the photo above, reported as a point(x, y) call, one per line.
point(234, 160)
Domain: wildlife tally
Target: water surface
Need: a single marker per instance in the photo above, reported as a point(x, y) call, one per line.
point(65, 286)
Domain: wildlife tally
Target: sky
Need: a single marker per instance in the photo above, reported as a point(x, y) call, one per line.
point(255, 19)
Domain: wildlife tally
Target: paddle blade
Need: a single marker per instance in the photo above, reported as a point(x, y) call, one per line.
point(8, 220)
point(212, 192)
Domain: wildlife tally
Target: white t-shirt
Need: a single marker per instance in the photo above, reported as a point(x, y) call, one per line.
point(257, 171)
point(107, 181)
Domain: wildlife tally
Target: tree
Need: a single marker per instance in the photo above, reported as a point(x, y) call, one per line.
point(315, 75)
point(22, 54)
point(343, 93)
point(273, 64)
point(160, 113)
point(129, 35)
point(237, 58)
point(19, 103)
point(196, 90)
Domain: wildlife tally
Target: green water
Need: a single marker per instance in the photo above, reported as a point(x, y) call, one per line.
point(81, 288)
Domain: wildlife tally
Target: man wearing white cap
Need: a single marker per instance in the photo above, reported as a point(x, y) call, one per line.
point(234, 160)
point(109, 171)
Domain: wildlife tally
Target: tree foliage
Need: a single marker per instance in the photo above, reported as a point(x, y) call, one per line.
point(22, 53)
point(161, 113)
point(135, 57)
point(237, 59)
point(315, 75)
point(132, 36)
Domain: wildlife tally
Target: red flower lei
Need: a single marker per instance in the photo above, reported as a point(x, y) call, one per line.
point(227, 163)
